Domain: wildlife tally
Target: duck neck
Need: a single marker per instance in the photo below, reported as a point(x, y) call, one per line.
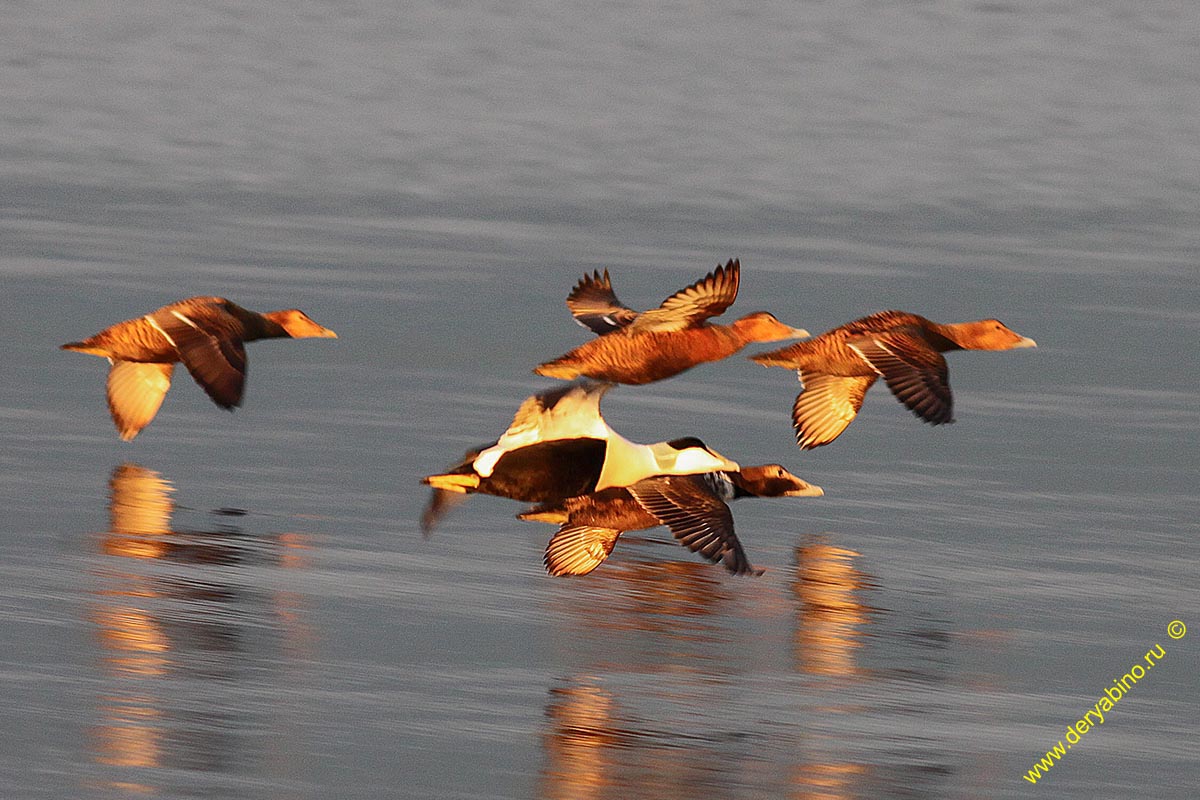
point(261, 326)
point(726, 485)
point(738, 333)
point(949, 336)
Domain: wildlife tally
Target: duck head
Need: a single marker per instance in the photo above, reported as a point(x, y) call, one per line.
point(986, 334)
point(764, 327)
point(771, 480)
point(298, 325)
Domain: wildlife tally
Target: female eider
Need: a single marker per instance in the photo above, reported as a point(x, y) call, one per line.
point(638, 348)
point(205, 333)
point(837, 367)
point(693, 507)
point(559, 446)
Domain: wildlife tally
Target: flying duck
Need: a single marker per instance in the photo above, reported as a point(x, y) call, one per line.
point(559, 446)
point(649, 346)
point(205, 333)
point(837, 367)
point(693, 507)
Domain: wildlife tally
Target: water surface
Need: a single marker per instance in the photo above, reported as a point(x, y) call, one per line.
point(242, 605)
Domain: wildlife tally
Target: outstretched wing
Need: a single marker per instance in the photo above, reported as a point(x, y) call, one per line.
point(595, 306)
point(696, 516)
point(135, 392)
point(562, 412)
point(689, 307)
point(914, 371)
point(578, 549)
point(826, 405)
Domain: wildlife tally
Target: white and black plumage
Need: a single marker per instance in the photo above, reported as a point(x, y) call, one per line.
point(559, 446)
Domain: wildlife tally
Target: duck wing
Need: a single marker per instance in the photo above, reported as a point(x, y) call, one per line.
point(826, 405)
point(696, 517)
point(135, 392)
point(578, 549)
point(689, 307)
point(595, 306)
point(915, 372)
point(562, 412)
point(443, 501)
point(209, 342)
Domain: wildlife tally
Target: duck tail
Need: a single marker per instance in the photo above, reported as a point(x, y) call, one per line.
point(775, 358)
point(453, 482)
point(558, 368)
point(544, 513)
point(85, 346)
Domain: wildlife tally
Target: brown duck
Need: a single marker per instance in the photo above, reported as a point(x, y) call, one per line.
point(205, 333)
point(693, 507)
point(649, 346)
point(837, 367)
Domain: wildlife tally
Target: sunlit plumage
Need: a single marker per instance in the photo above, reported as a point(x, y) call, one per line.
point(559, 446)
point(637, 348)
point(839, 366)
point(693, 507)
point(205, 333)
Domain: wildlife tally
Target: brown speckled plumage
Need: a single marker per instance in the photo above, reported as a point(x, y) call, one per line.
point(839, 366)
point(638, 348)
point(206, 334)
point(693, 507)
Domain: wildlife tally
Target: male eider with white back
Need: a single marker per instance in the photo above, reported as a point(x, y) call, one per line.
point(559, 446)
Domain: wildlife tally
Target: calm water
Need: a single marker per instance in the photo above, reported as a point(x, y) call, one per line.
point(242, 606)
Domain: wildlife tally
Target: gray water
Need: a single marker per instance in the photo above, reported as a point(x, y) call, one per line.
point(242, 605)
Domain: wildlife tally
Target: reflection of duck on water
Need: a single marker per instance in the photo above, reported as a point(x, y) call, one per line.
point(168, 626)
point(140, 511)
point(594, 748)
point(829, 621)
point(679, 601)
point(830, 614)
point(139, 501)
point(578, 744)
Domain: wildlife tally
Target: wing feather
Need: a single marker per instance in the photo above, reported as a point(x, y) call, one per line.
point(826, 405)
point(595, 306)
point(707, 297)
point(578, 549)
point(135, 392)
point(916, 373)
point(697, 518)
